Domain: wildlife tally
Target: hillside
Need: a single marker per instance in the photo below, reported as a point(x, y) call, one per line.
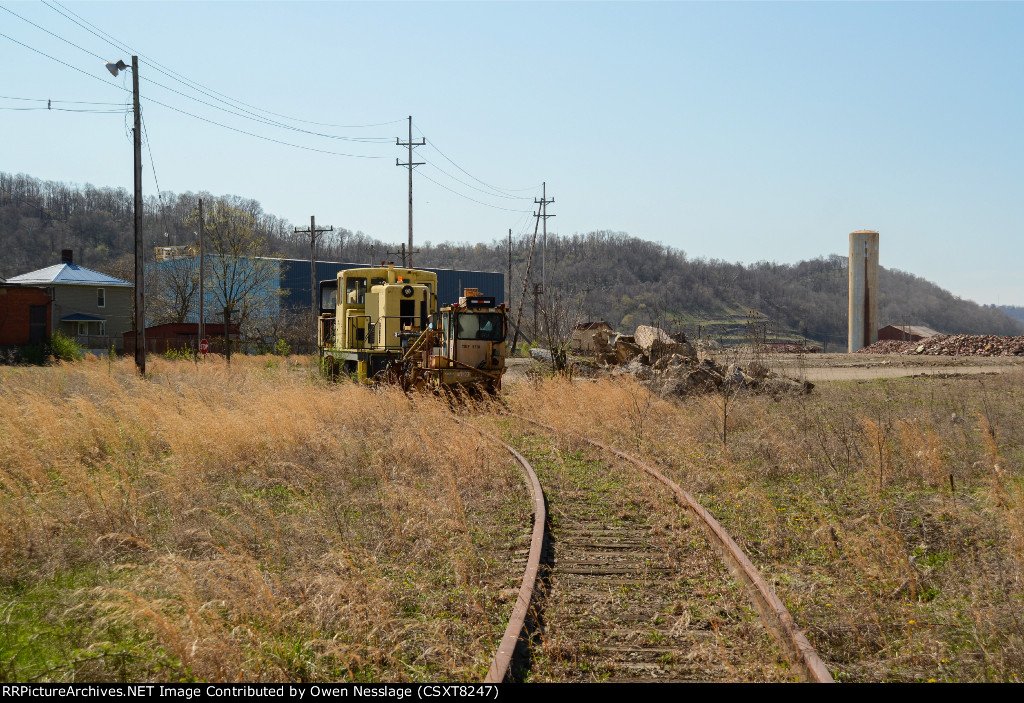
point(599, 275)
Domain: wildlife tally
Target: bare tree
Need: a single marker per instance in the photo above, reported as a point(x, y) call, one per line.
point(239, 276)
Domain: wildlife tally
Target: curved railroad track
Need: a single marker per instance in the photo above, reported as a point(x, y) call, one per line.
point(619, 586)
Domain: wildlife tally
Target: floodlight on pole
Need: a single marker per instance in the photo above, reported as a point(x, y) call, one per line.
point(140, 305)
point(114, 68)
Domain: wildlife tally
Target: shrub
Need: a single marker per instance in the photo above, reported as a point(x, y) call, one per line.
point(65, 348)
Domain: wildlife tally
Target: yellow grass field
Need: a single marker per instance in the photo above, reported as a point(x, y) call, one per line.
point(255, 523)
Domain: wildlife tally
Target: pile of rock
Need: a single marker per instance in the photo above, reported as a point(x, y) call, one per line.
point(669, 365)
point(952, 345)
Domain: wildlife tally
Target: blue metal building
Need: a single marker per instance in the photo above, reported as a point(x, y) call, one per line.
point(450, 282)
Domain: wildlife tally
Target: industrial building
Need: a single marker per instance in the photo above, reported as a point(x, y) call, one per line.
point(295, 281)
point(288, 283)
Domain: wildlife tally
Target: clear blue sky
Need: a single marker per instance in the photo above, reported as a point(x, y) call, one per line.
point(736, 131)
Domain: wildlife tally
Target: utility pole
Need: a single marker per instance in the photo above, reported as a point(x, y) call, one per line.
point(410, 164)
point(314, 234)
point(202, 278)
point(140, 247)
point(586, 297)
point(508, 300)
point(538, 291)
point(404, 252)
point(543, 213)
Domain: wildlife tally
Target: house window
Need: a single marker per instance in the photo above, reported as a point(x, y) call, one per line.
point(101, 298)
point(83, 329)
point(103, 329)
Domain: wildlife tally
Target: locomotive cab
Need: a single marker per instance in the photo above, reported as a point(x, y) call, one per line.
point(376, 312)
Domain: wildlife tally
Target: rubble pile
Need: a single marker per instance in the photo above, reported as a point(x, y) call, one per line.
point(952, 345)
point(669, 365)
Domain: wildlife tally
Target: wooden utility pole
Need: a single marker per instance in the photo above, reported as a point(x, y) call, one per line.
point(543, 213)
point(538, 291)
point(403, 252)
point(140, 247)
point(202, 278)
point(314, 234)
point(526, 281)
point(410, 164)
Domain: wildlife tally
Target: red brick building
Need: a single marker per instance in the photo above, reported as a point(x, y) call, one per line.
point(25, 315)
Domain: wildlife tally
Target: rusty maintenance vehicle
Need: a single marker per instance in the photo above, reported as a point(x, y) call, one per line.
point(382, 324)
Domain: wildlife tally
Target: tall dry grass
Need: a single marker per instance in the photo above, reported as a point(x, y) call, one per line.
point(889, 515)
point(245, 523)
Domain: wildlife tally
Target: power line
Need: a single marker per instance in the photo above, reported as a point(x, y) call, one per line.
point(96, 31)
point(61, 109)
point(245, 114)
point(273, 123)
point(51, 33)
point(74, 68)
point(461, 195)
point(185, 112)
point(433, 146)
point(50, 100)
point(479, 190)
point(260, 136)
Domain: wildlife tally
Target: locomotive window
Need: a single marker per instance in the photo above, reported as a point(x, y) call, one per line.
point(486, 326)
point(355, 290)
point(378, 282)
point(328, 298)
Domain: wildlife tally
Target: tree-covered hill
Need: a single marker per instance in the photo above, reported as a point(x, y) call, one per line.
point(612, 276)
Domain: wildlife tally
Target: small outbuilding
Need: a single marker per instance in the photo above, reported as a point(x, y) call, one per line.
point(906, 333)
point(583, 335)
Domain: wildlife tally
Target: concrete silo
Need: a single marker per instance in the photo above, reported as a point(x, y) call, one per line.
point(863, 323)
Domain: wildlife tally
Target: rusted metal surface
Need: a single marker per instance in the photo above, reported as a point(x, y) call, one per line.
point(774, 614)
point(502, 661)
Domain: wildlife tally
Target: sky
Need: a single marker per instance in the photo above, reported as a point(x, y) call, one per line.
point(740, 131)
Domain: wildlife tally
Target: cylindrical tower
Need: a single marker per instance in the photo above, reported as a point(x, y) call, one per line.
point(863, 323)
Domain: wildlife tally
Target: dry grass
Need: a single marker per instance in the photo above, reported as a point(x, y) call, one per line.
point(888, 514)
point(245, 523)
point(254, 523)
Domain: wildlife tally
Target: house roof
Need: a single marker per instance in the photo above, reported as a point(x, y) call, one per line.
point(591, 325)
point(81, 317)
point(68, 274)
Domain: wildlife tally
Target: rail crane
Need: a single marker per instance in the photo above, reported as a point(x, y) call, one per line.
point(383, 324)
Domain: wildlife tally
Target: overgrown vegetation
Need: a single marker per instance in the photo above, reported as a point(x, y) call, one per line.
point(256, 523)
point(889, 515)
point(249, 523)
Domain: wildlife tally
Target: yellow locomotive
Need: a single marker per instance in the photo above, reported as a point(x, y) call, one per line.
point(383, 324)
point(368, 316)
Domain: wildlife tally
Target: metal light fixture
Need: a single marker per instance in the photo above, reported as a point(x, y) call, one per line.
point(114, 68)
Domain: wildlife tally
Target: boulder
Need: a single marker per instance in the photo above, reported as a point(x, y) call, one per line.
point(626, 348)
point(657, 343)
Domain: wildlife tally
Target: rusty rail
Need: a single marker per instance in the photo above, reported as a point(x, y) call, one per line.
point(502, 661)
point(774, 614)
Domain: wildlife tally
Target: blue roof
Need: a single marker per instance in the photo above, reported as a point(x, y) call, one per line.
point(67, 274)
point(81, 317)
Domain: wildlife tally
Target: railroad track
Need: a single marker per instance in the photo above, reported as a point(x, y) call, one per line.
point(621, 585)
